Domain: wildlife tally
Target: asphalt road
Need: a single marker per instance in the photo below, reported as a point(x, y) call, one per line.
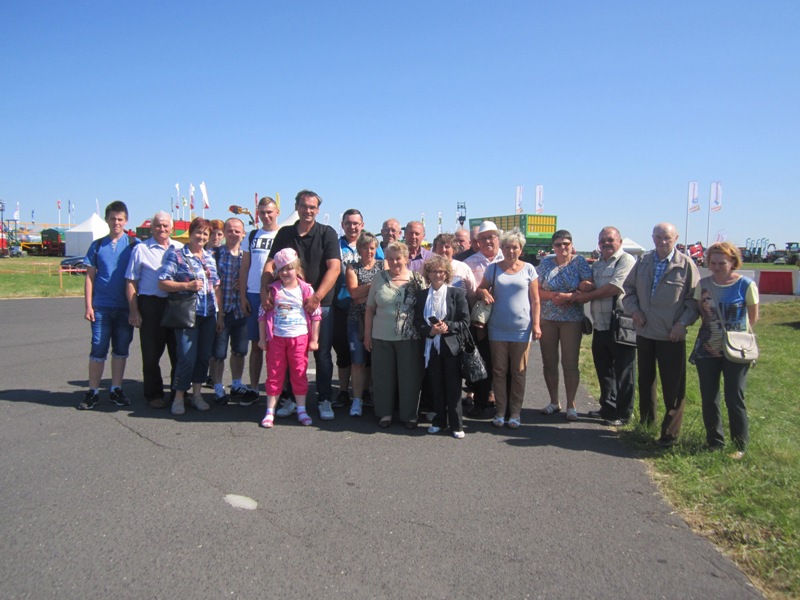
point(130, 503)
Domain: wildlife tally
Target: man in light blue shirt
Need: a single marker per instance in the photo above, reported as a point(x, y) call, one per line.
point(147, 303)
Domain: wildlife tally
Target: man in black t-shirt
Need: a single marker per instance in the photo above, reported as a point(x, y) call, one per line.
point(317, 245)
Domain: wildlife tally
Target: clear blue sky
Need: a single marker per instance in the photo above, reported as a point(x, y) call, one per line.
point(401, 107)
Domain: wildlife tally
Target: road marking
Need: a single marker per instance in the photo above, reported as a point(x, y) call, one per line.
point(237, 501)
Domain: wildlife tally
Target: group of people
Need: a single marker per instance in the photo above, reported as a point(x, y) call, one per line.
point(398, 317)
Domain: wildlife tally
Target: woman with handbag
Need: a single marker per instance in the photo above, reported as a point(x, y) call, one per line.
point(514, 297)
point(728, 302)
point(358, 278)
point(561, 276)
point(389, 333)
point(442, 317)
point(192, 272)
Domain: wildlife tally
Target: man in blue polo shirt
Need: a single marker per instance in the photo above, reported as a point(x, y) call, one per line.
point(107, 306)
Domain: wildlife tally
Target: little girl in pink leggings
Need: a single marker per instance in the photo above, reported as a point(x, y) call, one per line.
point(287, 332)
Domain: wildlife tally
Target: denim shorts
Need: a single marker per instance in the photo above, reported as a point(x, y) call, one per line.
point(235, 330)
point(252, 320)
point(110, 326)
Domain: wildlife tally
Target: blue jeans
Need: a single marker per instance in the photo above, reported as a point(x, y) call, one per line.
point(110, 326)
point(358, 354)
point(235, 330)
point(194, 346)
point(252, 320)
point(323, 357)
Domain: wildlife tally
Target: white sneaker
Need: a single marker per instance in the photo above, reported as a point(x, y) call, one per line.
point(326, 410)
point(178, 408)
point(459, 435)
point(355, 408)
point(287, 409)
point(200, 404)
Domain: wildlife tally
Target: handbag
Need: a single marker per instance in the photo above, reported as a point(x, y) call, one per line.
point(480, 313)
point(181, 311)
point(622, 328)
point(740, 346)
point(473, 369)
point(586, 327)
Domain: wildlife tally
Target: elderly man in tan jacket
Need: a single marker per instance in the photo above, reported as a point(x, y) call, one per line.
point(659, 296)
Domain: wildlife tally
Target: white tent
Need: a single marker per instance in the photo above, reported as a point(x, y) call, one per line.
point(290, 220)
point(78, 239)
point(632, 247)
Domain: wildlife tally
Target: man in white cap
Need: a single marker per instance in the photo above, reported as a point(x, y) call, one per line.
point(488, 237)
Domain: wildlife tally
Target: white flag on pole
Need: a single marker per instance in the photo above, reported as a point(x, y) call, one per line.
point(519, 200)
point(16, 213)
point(204, 191)
point(539, 199)
point(694, 201)
point(191, 196)
point(440, 221)
point(716, 196)
point(422, 218)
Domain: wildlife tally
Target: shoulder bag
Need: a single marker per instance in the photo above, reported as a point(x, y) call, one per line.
point(181, 311)
point(473, 369)
point(481, 311)
point(622, 327)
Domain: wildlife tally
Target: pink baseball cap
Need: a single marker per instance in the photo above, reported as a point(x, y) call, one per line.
point(285, 257)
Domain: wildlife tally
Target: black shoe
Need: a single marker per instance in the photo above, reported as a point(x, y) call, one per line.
point(119, 398)
point(342, 400)
point(367, 399)
point(665, 442)
point(245, 395)
point(613, 422)
point(90, 400)
point(222, 400)
point(595, 414)
point(477, 412)
point(209, 383)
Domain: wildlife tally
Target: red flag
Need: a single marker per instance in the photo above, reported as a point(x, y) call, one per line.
point(59, 204)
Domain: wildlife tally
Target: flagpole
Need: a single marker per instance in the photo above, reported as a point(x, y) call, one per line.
point(710, 200)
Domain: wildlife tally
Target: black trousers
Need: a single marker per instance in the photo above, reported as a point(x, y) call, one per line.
point(443, 383)
point(153, 339)
point(670, 357)
point(615, 365)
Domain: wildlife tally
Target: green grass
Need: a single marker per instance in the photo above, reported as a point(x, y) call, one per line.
point(749, 508)
point(36, 276)
point(768, 267)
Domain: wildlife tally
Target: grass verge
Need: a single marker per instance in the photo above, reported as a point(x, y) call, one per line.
point(37, 277)
point(749, 508)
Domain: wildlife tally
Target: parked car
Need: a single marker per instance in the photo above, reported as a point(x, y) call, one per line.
point(75, 264)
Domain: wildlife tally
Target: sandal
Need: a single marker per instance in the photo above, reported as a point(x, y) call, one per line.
point(514, 423)
point(303, 418)
point(572, 414)
point(385, 422)
point(268, 421)
point(551, 409)
point(499, 421)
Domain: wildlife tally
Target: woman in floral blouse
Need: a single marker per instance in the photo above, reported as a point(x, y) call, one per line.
point(561, 275)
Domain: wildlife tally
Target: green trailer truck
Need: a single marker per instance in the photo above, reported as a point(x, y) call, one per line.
point(537, 229)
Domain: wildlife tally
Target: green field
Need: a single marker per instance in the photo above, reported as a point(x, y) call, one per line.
point(749, 508)
point(37, 276)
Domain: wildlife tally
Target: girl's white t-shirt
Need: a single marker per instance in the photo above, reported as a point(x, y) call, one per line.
point(290, 319)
